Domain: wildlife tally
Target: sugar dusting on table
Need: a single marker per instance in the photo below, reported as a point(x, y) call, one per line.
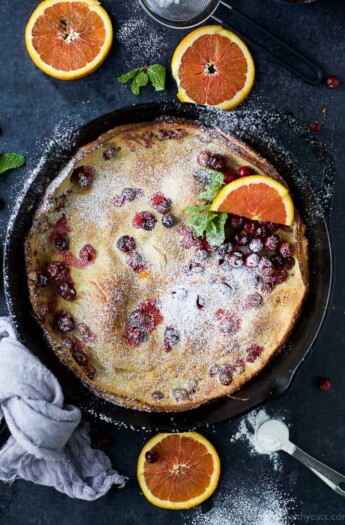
point(263, 504)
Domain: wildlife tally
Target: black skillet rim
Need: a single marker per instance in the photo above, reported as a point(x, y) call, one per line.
point(270, 383)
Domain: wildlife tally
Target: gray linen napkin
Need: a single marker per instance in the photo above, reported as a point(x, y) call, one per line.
point(48, 444)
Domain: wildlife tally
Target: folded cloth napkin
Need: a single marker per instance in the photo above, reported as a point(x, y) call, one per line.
point(48, 444)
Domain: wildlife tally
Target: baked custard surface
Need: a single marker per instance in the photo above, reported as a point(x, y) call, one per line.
point(165, 323)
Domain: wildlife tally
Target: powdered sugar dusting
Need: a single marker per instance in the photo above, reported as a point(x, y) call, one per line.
point(246, 431)
point(264, 504)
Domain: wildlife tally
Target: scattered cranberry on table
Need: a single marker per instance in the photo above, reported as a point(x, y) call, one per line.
point(244, 171)
point(151, 456)
point(332, 82)
point(324, 384)
point(315, 126)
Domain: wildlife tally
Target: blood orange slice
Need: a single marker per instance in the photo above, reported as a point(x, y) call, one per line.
point(178, 471)
point(256, 197)
point(69, 39)
point(213, 66)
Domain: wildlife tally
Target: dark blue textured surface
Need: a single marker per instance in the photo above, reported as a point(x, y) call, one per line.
point(31, 104)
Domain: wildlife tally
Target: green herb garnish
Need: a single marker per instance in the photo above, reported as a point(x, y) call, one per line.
point(204, 221)
point(142, 76)
point(10, 161)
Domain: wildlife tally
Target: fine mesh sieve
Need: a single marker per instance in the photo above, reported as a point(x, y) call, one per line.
point(190, 13)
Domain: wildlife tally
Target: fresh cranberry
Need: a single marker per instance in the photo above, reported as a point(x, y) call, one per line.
point(278, 261)
point(315, 126)
point(249, 227)
point(118, 201)
point(207, 159)
point(57, 271)
point(229, 323)
point(254, 352)
point(272, 227)
point(229, 175)
point(90, 371)
point(42, 279)
point(86, 333)
point(235, 259)
point(160, 203)
point(225, 378)
point(256, 245)
point(266, 267)
point(202, 176)
point(267, 287)
point(253, 300)
point(157, 395)
point(151, 456)
point(280, 277)
point(171, 338)
point(144, 220)
point(168, 221)
point(129, 194)
point(111, 152)
point(224, 249)
point(62, 242)
point(332, 82)
point(126, 244)
point(244, 171)
point(77, 351)
point(136, 262)
point(261, 231)
point(87, 254)
point(285, 249)
point(83, 176)
point(214, 370)
point(289, 263)
point(236, 222)
point(135, 336)
point(271, 242)
point(64, 321)
point(241, 239)
point(152, 314)
point(67, 291)
point(251, 260)
point(324, 384)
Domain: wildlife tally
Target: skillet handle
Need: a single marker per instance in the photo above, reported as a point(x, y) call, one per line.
point(291, 59)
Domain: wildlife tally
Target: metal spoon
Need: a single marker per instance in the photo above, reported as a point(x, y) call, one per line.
point(273, 435)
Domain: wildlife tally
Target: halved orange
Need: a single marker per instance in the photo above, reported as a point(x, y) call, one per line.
point(213, 66)
point(256, 197)
point(185, 471)
point(69, 39)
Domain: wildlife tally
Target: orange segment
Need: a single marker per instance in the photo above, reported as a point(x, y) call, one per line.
point(185, 473)
point(213, 66)
point(68, 39)
point(256, 197)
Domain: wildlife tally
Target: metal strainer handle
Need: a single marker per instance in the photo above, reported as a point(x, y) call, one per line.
point(315, 75)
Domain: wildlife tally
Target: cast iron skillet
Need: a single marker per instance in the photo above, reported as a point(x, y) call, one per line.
point(276, 377)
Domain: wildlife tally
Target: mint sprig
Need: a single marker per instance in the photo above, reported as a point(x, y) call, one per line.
point(140, 77)
point(204, 221)
point(10, 161)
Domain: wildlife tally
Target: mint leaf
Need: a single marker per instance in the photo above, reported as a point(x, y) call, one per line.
point(213, 187)
point(10, 161)
point(199, 222)
point(129, 76)
point(156, 74)
point(139, 81)
point(190, 210)
point(215, 234)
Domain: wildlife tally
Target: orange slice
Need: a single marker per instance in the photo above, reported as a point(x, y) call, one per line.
point(69, 39)
point(212, 66)
point(185, 471)
point(256, 197)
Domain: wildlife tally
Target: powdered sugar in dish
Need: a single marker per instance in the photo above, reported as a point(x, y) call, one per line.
point(166, 3)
